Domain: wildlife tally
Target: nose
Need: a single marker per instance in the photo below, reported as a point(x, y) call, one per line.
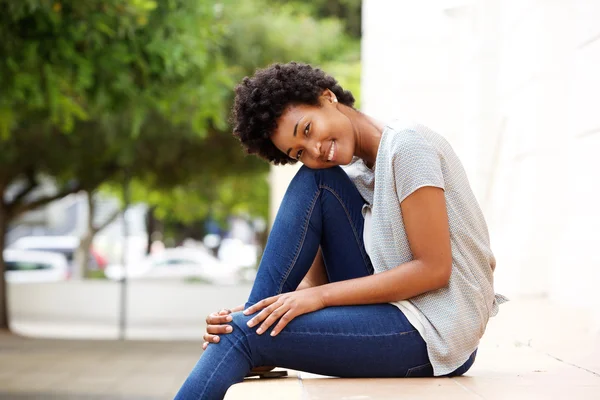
point(315, 149)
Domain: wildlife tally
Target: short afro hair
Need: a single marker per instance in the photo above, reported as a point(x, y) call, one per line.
point(262, 99)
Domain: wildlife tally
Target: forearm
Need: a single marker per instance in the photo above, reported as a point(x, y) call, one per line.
point(400, 283)
point(316, 275)
point(305, 284)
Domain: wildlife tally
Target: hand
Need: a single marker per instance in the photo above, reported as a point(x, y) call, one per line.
point(284, 307)
point(216, 323)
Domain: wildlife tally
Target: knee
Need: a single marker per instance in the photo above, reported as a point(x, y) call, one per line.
point(240, 327)
point(320, 176)
point(238, 341)
point(239, 335)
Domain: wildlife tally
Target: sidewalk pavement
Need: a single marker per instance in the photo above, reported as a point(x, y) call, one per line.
point(532, 350)
point(93, 370)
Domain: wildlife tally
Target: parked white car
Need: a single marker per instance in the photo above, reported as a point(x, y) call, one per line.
point(24, 266)
point(178, 263)
point(65, 245)
point(238, 253)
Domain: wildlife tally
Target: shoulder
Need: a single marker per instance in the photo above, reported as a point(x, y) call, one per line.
point(408, 140)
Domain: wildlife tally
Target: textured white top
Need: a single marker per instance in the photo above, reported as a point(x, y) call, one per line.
point(411, 313)
point(412, 156)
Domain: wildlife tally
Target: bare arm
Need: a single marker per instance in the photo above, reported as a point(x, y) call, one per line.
point(426, 224)
point(217, 323)
point(316, 275)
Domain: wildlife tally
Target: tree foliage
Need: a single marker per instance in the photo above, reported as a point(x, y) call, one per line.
point(256, 34)
point(349, 12)
point(94, 91)
point(79, 80)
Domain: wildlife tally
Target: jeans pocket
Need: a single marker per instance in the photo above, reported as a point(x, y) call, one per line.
point(421, 371)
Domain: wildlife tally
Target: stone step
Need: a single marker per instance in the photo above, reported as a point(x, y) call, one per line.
point(564, 365)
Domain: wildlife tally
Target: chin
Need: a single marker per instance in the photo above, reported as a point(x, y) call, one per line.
point(344, 160)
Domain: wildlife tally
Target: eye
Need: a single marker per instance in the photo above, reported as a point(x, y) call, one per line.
point(299, 154)
point(307, 129)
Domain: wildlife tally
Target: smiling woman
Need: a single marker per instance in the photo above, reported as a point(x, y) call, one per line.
point(378, 263)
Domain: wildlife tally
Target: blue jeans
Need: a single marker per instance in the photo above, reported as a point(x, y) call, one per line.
point(320, 208)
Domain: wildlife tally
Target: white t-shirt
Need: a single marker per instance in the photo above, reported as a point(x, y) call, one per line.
point(411, 156)
point(406, 307)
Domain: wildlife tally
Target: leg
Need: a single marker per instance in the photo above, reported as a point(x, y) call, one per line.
point(320, 207)
point(352, 341)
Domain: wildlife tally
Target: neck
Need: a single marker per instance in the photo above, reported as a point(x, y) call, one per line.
point(367, 134)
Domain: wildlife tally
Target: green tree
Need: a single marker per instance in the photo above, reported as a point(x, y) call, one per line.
point(349, 12)
point(256, 34)
point(98, 90)
point(80, 79)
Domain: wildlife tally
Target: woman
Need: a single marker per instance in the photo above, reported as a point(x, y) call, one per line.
point(380, 269)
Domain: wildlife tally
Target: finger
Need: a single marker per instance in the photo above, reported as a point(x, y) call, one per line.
point(210, 338)
point(225, 311)
point(219, 329)
point(218, 319)
point(272, 318)
point(238, 308)
point(257, 319)
point(283, 321)
point(204, 345)
point(260, 305)
point(210, 316)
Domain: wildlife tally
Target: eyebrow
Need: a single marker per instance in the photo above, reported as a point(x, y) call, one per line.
point(295, 129)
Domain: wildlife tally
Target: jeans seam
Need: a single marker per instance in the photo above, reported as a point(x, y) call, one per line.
point(299, 247)
point(408, 372)
point(347, 334)
point(217, 367)
point(249, 349)
point(358, 242)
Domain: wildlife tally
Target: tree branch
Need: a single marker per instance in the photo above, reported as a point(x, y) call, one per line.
point(17, 209)
point(108, 221)
point(31, 184)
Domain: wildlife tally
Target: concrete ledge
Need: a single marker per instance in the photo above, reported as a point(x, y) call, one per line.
point(525, 354)
point(289, 388)
point(500, 373)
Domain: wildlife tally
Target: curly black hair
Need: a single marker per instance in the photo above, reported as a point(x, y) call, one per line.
point(262, 99)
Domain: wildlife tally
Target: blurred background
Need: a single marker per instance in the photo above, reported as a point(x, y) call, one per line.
point(129, 211)
point(128, 208)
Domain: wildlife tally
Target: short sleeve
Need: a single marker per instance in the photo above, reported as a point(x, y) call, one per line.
point(416, 163)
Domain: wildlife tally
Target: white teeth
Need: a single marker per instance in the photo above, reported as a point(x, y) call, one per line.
point(330, 156)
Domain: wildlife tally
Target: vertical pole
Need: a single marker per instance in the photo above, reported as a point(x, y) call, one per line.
point(124, 259)
point(4, 315)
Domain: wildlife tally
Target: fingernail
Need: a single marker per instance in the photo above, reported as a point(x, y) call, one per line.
point(273, 333)
point(228, 329)
point(229, 319)
point(216, 339)
point(250, 323)
point(245, 312)
point(259, 331)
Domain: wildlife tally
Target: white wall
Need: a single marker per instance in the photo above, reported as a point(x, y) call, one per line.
point(515, 86)
point(279, 179)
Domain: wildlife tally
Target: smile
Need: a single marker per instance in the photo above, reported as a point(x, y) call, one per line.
point(331, 151)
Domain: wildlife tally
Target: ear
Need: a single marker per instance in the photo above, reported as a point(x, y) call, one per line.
point(329, 96)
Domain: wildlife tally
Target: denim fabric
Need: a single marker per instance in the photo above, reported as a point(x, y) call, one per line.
point(320, 208)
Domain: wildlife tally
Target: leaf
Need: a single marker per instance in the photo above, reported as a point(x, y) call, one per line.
point(102, 27)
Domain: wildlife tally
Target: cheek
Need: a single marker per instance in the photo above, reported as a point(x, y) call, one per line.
point(312, 164)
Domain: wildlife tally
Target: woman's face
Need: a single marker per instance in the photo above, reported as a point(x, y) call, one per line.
point(319, 137)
